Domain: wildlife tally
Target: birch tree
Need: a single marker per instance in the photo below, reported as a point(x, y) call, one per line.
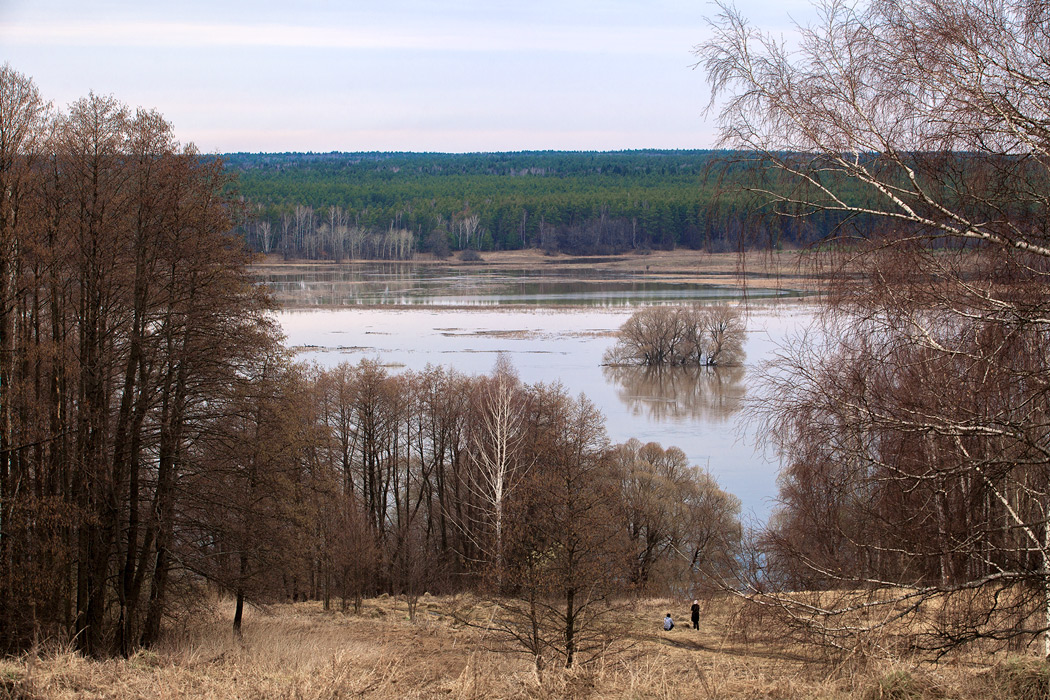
point(566, 552)
point(913, 422)
point(498, 439)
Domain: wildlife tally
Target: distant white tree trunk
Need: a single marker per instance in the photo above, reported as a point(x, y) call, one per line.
point(304, 224)
point(265, 235)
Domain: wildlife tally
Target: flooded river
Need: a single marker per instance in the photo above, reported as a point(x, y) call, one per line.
point(554, 327)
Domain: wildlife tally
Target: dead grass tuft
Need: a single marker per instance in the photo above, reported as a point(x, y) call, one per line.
point(1017, 679)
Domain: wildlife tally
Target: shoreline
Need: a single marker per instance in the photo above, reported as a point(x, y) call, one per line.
point(771, 270)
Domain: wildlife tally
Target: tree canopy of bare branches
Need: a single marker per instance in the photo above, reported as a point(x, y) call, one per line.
point(680, 335)
point(913, 422)
point(682, 529)
point(157, 441)
point(125, 315)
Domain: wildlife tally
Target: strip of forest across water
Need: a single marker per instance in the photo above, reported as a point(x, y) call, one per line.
point(391, 206)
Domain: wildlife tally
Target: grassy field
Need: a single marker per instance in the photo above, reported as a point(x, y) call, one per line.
point(301, 651)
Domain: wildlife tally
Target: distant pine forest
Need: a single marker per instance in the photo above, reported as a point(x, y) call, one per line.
point(391, 206)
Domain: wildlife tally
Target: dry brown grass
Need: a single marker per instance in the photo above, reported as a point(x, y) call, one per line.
point(300, 651)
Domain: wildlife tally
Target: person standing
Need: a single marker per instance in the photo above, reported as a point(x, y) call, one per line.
point(695, 614)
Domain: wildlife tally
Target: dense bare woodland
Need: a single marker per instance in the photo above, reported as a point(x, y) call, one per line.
point(157, 442)
point(160, 450)
point(127, 327)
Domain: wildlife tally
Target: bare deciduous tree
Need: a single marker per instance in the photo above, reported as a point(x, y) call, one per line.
point(679, 524)
point(497, 443)
point(125, 311)
point(23, 115)
point(914, 428)
point(565, 554)
point(680, 335)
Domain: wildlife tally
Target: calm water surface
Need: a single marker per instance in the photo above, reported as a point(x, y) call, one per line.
point(393, 284)
point(553, 330)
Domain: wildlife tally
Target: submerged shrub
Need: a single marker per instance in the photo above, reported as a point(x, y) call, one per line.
point(680, 335)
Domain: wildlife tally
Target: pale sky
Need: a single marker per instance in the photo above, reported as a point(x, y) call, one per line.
point(380, 75)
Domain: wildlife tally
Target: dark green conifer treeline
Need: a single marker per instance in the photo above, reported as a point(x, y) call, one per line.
point(391, 205)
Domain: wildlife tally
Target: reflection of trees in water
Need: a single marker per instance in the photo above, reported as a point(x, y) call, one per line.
point(709, 393)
